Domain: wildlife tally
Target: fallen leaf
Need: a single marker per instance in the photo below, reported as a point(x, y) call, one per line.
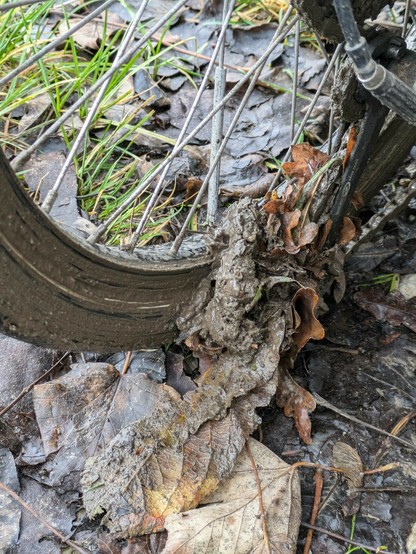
point(90, 35)
point(347, 458)
point(10, 510)
point(306, 161)
point(297, 403)
point(192, 187)
point(41, 172)
point(150, 362)
point(290, 221)
point(306, 325)
point(391, 307)
point(34, 110)
point(176, 377)
point(79, 413)
point(169, 461)
point(308, 234)
point(230, 520)
point(347, 232)
point(57, 508)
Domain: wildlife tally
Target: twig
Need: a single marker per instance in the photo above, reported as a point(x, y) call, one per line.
point(344, 539)
point(322, 402)
point(29, 387)
point(42, 520)
point(126, 362)
point(262, 514)
point(318, 493)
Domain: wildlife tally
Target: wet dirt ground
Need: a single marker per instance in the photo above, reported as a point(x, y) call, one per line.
point(366, 369)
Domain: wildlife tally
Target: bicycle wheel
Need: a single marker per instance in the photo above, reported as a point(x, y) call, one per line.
point(64, 291)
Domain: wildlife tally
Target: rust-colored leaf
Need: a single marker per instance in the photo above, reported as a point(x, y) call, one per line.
point(347, 231)
point(192, 186)
point(297, 403)
point(290, 221)
point(305, 158)
point(352, 139)
point(306, 325)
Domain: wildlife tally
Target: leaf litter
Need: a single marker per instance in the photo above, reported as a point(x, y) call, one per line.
point(144, 460)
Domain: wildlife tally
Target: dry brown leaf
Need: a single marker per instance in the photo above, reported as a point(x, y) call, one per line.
point(347, 458)
point(305, 323)
point(230, 522)
point(290, 221)
point(297, 403)
point(347, 231)
point(192, 187)
point(306, 159)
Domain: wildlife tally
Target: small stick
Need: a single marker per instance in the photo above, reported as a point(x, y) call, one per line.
point(318, 493)
point(322, 402)
point(126, 362)
point(29, 387)
point(42, 520)
point(262, 514)
point(344, 539)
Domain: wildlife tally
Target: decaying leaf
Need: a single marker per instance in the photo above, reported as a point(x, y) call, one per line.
point(176, 377)
point(297, 403)
point(169, 461)
point(391, 307)
point(91, 34)
point(56, 508)
point(306, 161)
point(10, 511)
point(347, 458)
point(305, 323)
point(347, 231)
point(34, 110)
point(79, 413)
point(41, 173)
point(290, 221)
point(230, 522)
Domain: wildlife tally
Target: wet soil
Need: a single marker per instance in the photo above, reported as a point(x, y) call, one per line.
point(366, 369)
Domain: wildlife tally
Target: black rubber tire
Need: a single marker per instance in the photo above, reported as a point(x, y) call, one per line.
point(63, 293)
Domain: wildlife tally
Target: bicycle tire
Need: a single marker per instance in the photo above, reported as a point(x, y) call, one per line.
point(63, 293)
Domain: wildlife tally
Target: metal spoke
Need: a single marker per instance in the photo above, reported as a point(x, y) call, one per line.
point(295, 80)
point(11, 5)
point(406, 17)
point(311, 106)
point(179, 146)
point(332, 113)
point(160, 186)
point(53, 193)
point(178, 241)
point(322, 48)
point(216, 133)
point(25, 155)
point(52, 45)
